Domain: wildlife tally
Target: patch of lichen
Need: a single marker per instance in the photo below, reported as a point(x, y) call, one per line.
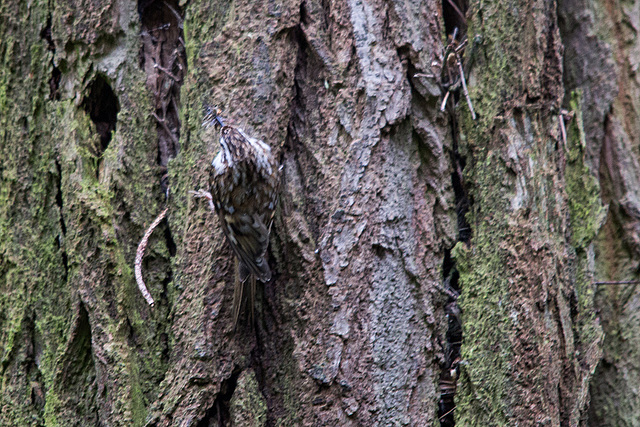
point(587, 216)
point(497, 84)
point(497, 90)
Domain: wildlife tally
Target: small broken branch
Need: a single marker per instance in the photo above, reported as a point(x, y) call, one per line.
point(202, 193)
point(444, 101)
point(447, 290)
point(563, 131)
point(167, 72)
point(452, 71)
point(140, 253)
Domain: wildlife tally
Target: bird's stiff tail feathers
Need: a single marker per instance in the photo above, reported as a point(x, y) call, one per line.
point(244, 292)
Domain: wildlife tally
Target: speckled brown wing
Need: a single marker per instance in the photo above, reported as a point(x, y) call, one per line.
point(245, 194)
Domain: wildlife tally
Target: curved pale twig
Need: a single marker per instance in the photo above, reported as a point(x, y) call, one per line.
point(140, 253)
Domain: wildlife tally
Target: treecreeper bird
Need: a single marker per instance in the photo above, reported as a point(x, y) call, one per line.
point(244, 191)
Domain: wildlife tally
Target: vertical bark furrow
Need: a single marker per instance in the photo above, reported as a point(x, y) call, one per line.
point(163, 58)
point(600, 57)
point(527, 278)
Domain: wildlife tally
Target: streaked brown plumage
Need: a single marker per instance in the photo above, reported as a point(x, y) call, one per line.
point(244, 183)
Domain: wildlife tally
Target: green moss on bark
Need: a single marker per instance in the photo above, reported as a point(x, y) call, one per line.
point(526, 279)
point(67, 240)
point(585, 207)
point(248, 407)
point(486, 350)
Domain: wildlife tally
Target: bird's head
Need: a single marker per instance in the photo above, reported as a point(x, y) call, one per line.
point(212, 116)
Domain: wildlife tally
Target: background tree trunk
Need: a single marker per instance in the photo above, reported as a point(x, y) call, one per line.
point(101, 106)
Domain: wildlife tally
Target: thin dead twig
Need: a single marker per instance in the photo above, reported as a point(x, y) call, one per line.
point(563, 131)
point(450, 411)
point(464, 86)
point(619, 282)
point(167, 72)
point(166, 128)
point(444, 101)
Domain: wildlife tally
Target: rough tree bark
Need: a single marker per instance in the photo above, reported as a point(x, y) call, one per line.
point(388, 208)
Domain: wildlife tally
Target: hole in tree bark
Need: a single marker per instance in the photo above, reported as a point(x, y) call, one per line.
point(102, 106)
point(54, 84)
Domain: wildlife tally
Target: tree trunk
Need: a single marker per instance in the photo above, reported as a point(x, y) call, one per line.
point(389, 208)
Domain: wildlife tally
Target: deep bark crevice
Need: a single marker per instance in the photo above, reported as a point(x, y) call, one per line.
point(454, 17)
point(449, 372)
point(163, 58)
point(218, 414)
point(63, 227)
point(78, 371)
point(56, 74)
point(452, 346)
point(463, 203)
